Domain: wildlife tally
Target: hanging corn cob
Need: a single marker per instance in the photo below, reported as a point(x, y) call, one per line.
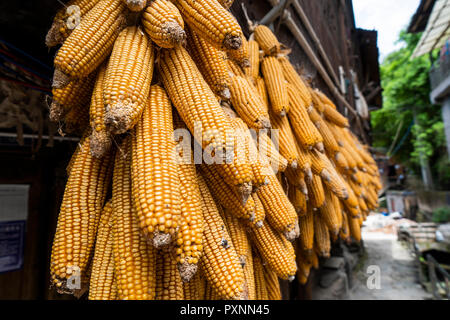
point(163, 23)
point(127, 80)
point(156, 195)
point(90, 42)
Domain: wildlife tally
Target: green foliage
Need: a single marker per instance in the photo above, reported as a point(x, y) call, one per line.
point(441, 215)
point(406, 89)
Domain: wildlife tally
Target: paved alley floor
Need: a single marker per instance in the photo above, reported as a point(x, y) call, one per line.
point(394, 266)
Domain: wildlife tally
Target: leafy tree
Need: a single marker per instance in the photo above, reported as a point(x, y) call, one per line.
point(406, 89)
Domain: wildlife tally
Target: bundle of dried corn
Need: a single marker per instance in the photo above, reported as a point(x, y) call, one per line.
point(272, 178)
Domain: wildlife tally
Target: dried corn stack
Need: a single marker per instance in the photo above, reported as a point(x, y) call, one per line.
point(175, 228)
point(163, 23)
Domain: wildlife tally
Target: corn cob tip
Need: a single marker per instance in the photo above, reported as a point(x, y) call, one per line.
point(174, 32)
point(245, 190)
point(291, 278)
point(187, 271)
point(259, 224)
point(294, 164)
point(225, 94)
point(100, 143)
point(56, 112)
point(136, 5)
point(60, 79)
point(117, 116)
point(54, 37)
point(232, 42)
point(325, 175)
point(282, 113)
point(245, 63)
point(160, 240)
point(243, 260)
point(319, 147)
point(293, 232)
point(308, 175)
point(264, 123)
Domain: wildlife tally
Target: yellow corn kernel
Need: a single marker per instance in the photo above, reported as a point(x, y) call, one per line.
point(298, 200)
point(77, 119)
point(102, 285)
point(163, 23)
point(127, 81)
point(355, 228)
point(155, 173)
point(220, 260)
point(90, 43)
point(334, 116)
point(134, 258)
point(260, 213)
point(226, 3)
point(79, 216)
point(212, 22)
point(267, 41)
point(248, 104)
point(276, 86)
point(321, 236)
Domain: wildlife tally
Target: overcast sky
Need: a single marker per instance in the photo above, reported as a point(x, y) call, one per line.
point(386, 16)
